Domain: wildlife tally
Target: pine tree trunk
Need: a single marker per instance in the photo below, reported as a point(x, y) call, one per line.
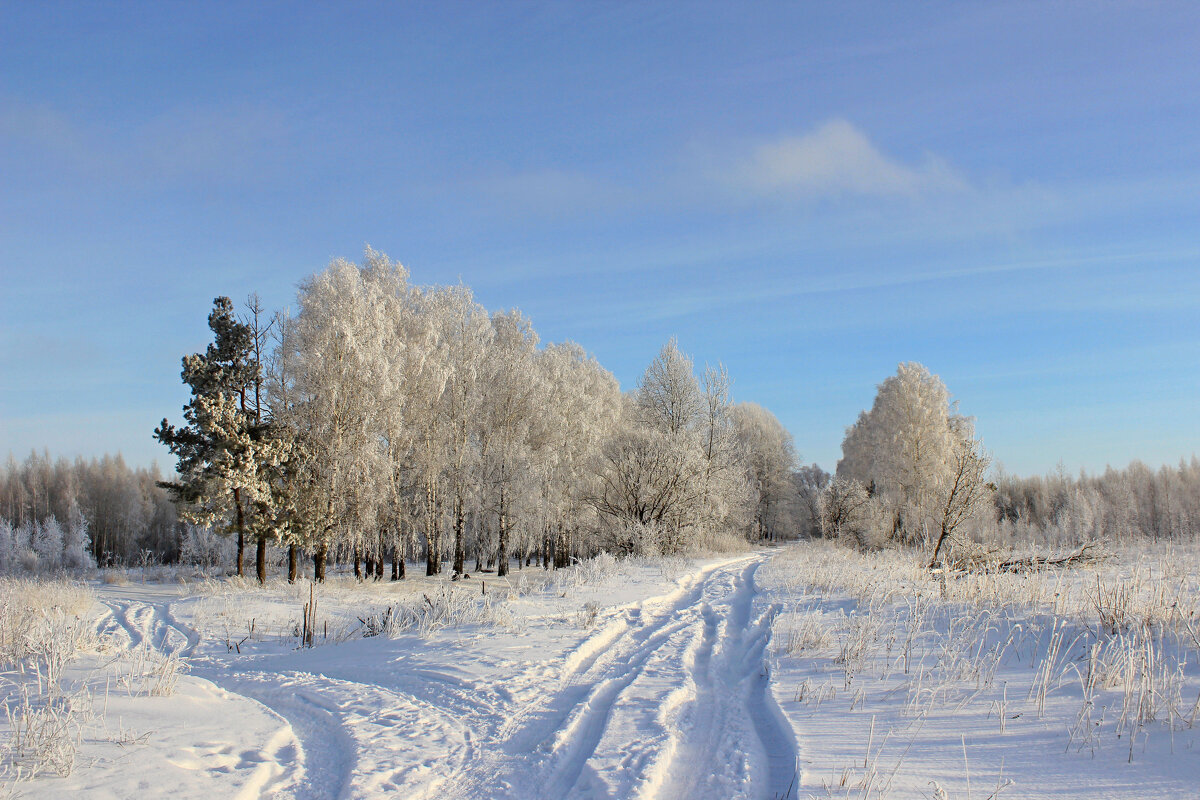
point(260, 559)
point(357, 563)
point(395, 563)
point(293, 563)
point(241, 532)
point(319, 563)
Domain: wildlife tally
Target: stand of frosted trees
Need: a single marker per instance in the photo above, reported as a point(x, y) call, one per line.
point(384, 422)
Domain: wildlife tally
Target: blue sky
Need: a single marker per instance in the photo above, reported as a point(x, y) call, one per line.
point(1008, 193)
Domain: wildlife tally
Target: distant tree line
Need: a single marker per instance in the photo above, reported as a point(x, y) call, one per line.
point(1137, 501)
point(121, 512)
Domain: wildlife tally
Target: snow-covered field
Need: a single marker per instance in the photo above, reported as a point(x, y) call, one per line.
point(805, 671)
point(610, 679)
point(1074, 684)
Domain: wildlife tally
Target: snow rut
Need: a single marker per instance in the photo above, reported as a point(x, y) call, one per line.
point(667, 698)
point(149, 624)
point(670, 700)
point(381, 734)
point(364, 729)
point(273, 770)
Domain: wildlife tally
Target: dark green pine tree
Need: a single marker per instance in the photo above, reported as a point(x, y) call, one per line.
point(224, 451)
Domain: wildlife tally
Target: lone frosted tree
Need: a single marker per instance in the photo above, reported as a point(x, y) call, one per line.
point(902, 449)
point(919, 457)
point(221, 448)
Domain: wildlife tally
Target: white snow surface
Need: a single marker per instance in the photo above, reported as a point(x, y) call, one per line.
point(637, 679)
point(648, 681)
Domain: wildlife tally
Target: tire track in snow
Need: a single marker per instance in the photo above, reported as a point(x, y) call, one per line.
point(543, 747)
point(775, 737)
point(358, 738)
point(326, 751)
point(622, 642)
point(616, 658)
point(667, 698)
point(650, 704)
point(339, 738)
point(149, 624)
point(579, 741)
point(278, 767)
point(774, 731)
point(118, 623)
point(190, 635)
point(697, 728)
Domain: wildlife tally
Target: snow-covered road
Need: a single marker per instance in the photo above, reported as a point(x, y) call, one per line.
point(666, 700)
point(664, 696)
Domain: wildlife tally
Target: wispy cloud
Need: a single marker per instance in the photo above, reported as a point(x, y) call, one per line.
point(837, 159)
point(190, 142)
point(211, 142)
point(707, 298)
point(550, 192)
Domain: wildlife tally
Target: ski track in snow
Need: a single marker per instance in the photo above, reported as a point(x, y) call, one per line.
point(667, 698)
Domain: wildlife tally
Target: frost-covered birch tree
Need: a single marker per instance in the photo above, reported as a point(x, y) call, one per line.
point(421, 474)
point(672, 473)
point(507, 409)
point(580, 409)
point(340, 346)
point(770, 462)
point(901, 448)
point(468, 333)
point(917, 456)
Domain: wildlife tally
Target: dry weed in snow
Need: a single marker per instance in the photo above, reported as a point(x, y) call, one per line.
point(1092, 663)
point(41, 630)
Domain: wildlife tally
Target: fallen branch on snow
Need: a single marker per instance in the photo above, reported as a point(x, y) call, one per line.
point(965, 559)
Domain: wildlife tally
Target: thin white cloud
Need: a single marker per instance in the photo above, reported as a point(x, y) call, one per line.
point(838, 159)
point(215, 143)
point(709, 298)
point(550, 193)
point(39, 126)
